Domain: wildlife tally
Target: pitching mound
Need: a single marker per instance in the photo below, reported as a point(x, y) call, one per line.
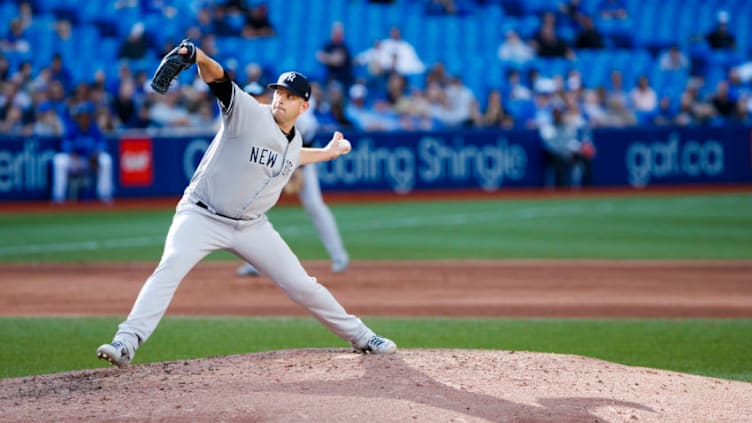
point(413, 385)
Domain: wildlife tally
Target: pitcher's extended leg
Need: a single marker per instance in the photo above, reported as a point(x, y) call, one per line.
point(262, 245)
point(191, 237)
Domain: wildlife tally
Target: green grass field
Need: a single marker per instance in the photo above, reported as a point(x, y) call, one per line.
point(681, 227)
point(649, 227)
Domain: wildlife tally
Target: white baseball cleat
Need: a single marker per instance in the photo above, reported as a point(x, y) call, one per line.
point(247, 270)
point(377, 345)
point(117, 353)
point(340, 265)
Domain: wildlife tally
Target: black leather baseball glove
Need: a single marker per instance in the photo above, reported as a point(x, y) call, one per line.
point(171, 65)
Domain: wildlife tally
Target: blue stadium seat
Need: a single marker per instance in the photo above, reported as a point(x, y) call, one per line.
point(467, 44)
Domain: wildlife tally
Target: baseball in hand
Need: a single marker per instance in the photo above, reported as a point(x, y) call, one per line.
point(344, 145)
point(340, 144)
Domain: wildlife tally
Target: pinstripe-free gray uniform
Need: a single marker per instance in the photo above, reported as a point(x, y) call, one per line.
point(223, 208)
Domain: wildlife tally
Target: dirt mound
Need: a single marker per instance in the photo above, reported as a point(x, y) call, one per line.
point(413, 385)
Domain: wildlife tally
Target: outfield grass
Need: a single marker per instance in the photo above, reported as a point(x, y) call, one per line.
point(648, 227)
point(718, 348)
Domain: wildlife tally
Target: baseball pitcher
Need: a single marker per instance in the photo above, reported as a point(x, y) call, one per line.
point(224, 206)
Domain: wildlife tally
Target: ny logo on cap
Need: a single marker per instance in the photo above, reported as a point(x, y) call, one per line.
point(290, 77)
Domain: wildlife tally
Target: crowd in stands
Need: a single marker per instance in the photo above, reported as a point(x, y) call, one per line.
point(386, 87)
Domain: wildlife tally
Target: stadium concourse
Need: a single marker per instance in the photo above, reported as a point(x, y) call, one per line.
point(460, 63)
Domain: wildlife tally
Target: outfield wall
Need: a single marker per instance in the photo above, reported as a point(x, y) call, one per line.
point(148, 165)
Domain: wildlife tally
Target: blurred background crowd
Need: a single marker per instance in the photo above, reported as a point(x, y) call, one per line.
point(396, 65)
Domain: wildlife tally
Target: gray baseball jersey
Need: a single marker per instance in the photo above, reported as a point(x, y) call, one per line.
point(240, 177)
point(247, 164)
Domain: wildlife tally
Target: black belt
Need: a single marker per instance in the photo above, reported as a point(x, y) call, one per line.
point(204, 206)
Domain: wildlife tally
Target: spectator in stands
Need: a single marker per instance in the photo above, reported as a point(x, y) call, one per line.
point(14, 124)
point(371, 58)
point(105, 119)
point(416, 115)
point(168, 112)
point(673, 60)
point(204, 119)
point(725, 107)
point(613, 9)
point(743, 71)
point(438, 105)
point(573, 82)
point(125, 106)
point(257, 23)
point(616, 89)
point(445, 7)
point(547, 44)
point(99, 94)
point(56, 96)
point(588, 37)
point(208, 44)
point(594, 108)
point(220, 25)
point(63, 30)
point(396, 97)
point(545, 97)
point(397, 55)
point(4, 68)
point(13, 97)
point(720, 38)
point(514, 89)
point(665, 114)
point(335, 55)
point(438, 74)
point(337, 117)
point(236, 15)
point(81, 94)
point(745, 107)
point(572, 13)
point(24, 76)
point(253, 73)
point(619, 114)
point(205, 23)
point(459, 100)
point(258, 91)
point(686, 114)
point(363, 117)
point(494, 116)
point(567, 150)
point(83, 150)
point(736, 84)
point(137, 45)
point(59, 72)
point(25, 14)
point(48, 123)
point(643, 98)
point(514, 50)
point(41, 82)
point(694, 109)
point(323, 102)
point(15, 39)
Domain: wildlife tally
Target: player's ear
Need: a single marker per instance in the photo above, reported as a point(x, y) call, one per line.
point(305, 106)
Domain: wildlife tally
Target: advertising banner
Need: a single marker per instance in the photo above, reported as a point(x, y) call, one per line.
point(414, 161)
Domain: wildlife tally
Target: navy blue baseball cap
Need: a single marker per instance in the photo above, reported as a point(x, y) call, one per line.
point(295, 82)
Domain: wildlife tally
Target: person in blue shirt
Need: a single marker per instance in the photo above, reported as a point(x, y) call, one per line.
point(83, 151)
